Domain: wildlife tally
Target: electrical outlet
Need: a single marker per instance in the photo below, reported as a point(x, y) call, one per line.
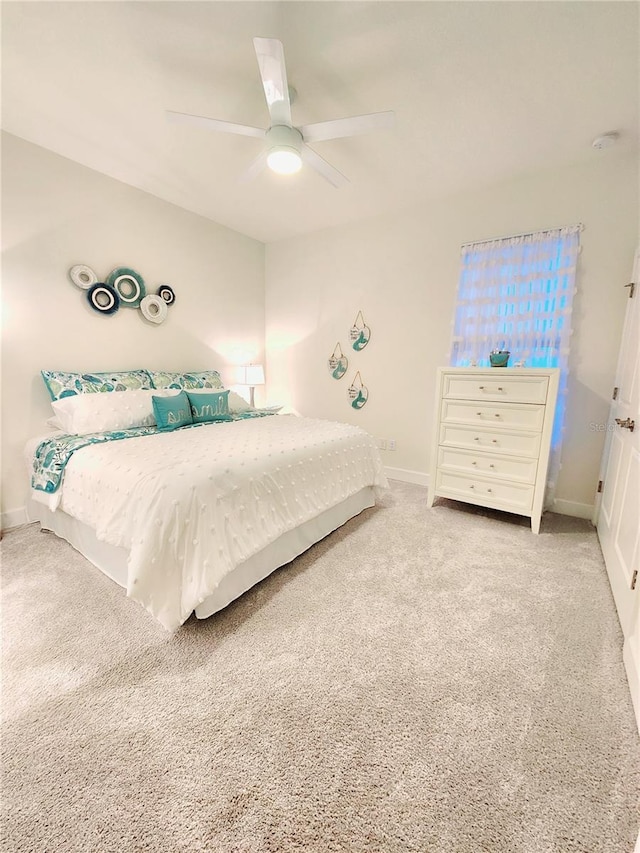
point(391, 444)
point(382, 444)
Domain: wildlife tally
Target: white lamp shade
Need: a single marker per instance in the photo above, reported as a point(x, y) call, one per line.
point(252, 374)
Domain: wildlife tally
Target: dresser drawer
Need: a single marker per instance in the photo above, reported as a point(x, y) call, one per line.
point(510, 496)
point(518, 469)
point(505, 389)
point(511, 443)
point(505, 415)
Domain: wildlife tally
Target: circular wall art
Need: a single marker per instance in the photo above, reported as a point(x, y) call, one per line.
point(83, 276)
point(166, 293)
point(103, 298)
point(129, 285)
point(153, 308)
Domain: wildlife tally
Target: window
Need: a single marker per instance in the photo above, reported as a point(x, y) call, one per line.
point(516, 294)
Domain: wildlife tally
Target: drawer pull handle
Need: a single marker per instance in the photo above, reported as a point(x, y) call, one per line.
point(481, 387)
point(496, 415)
point(491, 465)
point(489, 490)
point(474, 462)
point(479, 414)
point(494, 441)
point(500, 389)
point(476, 439)
point(472, 486)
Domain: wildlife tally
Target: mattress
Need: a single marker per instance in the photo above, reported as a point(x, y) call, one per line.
point(188, 508)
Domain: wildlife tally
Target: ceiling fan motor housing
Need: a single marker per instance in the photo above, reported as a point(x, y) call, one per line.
point(282, 136)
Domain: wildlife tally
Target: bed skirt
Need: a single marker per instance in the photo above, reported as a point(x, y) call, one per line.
point(113, 560)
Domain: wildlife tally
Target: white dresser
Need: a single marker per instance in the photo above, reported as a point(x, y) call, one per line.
point(492, 437)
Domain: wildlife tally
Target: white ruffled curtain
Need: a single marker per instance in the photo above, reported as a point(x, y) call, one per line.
point(516, 294)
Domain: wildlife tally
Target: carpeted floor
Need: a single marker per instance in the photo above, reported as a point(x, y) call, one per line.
point(422, 681)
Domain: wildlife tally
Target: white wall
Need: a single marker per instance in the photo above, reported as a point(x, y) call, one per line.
point(402, 272)
point(56, 213)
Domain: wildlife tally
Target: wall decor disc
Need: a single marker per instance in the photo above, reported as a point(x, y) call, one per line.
point(83, 276)
point(129, 286)
point(167, 294)
point(154, 308)
point(103, 298)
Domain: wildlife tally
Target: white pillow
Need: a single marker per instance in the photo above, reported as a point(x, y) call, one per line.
point(237, 403)
point(106, 411)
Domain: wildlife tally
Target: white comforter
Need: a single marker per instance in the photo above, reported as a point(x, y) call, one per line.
point(191, 505)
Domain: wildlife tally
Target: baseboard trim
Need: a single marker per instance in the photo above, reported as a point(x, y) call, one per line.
point(13, 518)
point(632, 666)
point(573, 508)
point(407, 476)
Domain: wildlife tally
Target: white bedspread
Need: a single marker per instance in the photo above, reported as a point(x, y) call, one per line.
point(191, 505)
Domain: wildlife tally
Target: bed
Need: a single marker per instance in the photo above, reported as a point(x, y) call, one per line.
point(187, 520)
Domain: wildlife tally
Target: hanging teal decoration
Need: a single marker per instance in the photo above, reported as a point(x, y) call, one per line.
point(129, 285)
point(358, 393)
point(359, 333)
point(338, 362)
point(122, 287)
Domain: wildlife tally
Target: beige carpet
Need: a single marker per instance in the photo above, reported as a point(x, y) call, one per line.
point(422, 681)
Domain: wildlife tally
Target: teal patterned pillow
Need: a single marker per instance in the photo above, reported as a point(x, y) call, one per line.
point(172, 412)
point(60, 384)
point(206, 408)
point(186, 381)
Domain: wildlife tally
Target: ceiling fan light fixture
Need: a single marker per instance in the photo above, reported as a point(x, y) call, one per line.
point(286, 147)
point(284, 160)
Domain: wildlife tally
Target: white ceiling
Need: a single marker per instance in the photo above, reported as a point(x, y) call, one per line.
point(483, 91)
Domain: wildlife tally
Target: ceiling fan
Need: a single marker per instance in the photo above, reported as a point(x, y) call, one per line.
point(287, 146)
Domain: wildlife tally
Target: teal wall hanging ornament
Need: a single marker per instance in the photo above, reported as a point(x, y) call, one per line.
point(123, 287)
point(338, 362)
point(129, 285)
point(358, 392)
point(359, 333)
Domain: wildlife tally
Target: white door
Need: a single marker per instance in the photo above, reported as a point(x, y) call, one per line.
point(618, 519)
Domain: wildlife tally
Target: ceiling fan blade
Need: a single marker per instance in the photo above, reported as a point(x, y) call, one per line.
point(270, 54)
point(254, 169)
point(215, 124)
point(335, 178)
point(342, 127)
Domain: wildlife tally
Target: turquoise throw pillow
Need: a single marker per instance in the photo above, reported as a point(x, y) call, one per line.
point(187, 381)
point(172, 412)
point(206, 408)
point(60, 384)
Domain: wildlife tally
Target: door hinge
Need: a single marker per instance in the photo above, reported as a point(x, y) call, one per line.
point(599, 485)
point(632, 287)
point(634, 579)
point(615, 393)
